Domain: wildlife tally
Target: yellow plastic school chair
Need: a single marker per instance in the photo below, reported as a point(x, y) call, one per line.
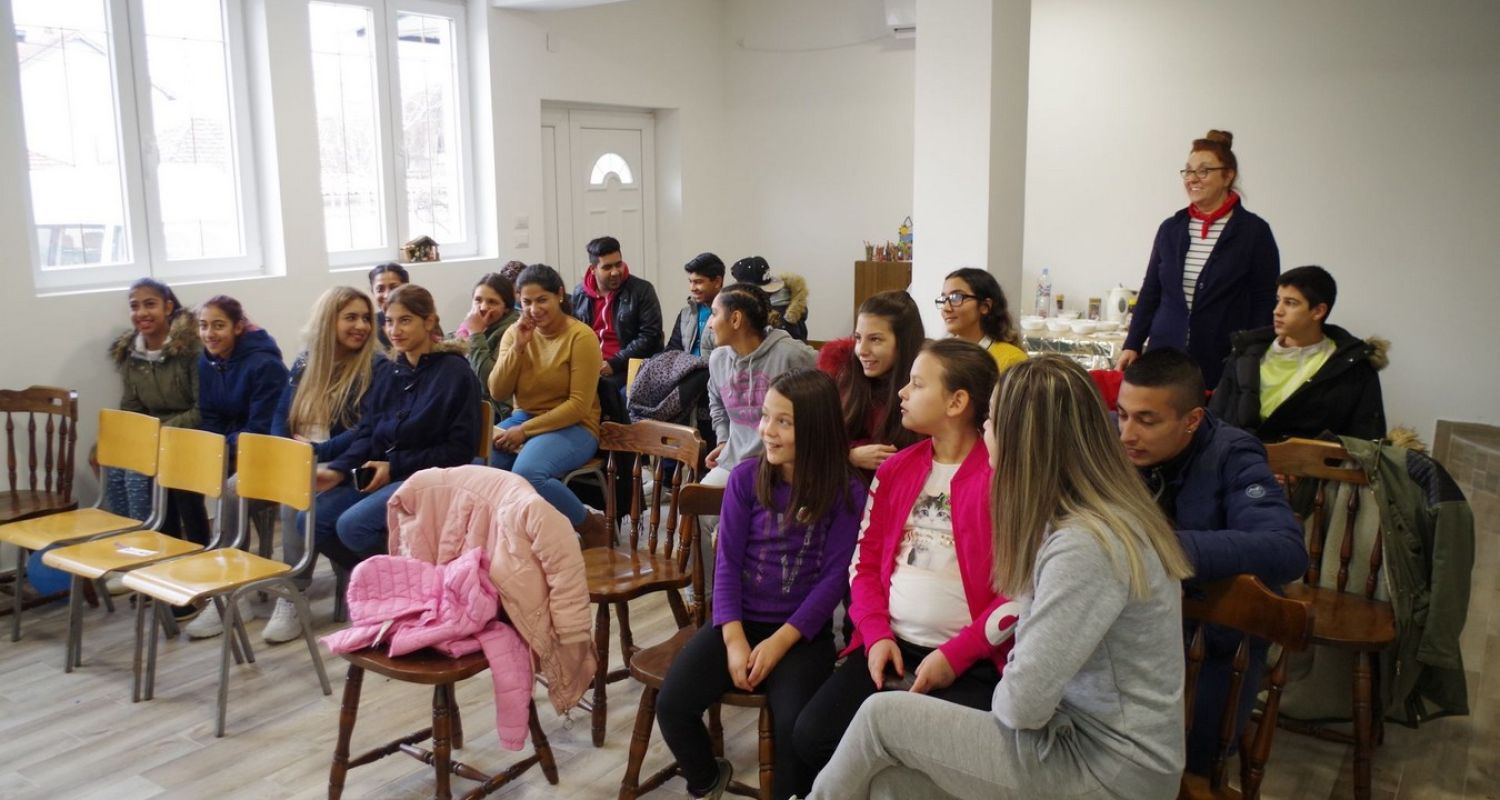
point(187, 460)
point(126, 441)
point(269, 468)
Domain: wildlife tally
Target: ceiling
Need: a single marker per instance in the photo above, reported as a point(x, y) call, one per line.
point(548, 5)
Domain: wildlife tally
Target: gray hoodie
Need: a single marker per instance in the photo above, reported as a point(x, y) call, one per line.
point(737, 385)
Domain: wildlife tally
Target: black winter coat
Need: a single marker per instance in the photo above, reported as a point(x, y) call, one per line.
point(1343, 398)
point(637, 320)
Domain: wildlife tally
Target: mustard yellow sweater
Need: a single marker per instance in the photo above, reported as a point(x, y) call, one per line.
point(555, 379)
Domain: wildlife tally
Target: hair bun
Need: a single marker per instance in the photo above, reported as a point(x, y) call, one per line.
point(1222, 137)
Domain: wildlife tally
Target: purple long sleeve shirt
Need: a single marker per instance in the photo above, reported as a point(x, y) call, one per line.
point(771, 569)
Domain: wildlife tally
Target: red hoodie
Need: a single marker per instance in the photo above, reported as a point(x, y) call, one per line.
point(604, 317)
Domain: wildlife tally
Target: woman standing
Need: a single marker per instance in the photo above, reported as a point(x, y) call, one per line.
point(550, 362)
point(490, 316)
point(750, 352)
point(240, 379)
point(974, 310)
point(423, 413)
point(1091, 704)
point(321, 404)
point(870, 369)
point(1213, 267)
point(158, 363)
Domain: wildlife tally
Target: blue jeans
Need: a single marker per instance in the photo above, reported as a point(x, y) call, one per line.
point(546, 458)
point(350, 524)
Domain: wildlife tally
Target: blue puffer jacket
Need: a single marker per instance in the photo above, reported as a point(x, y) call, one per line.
point(418, 417)
point(1232, 518)
point(339, 437)
point(239, 394)
point(1230, 514)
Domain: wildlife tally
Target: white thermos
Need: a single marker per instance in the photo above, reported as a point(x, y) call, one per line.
point(1118, 304)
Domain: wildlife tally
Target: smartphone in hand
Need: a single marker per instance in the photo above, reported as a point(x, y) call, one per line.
point(362, 477)
point(898, 683)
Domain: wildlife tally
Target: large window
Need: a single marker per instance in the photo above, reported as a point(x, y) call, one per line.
point(137, 140)
point(393, 132)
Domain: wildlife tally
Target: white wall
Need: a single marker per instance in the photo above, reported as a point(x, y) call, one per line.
point(818, 144)
point(1365, 133)
point(650, 53)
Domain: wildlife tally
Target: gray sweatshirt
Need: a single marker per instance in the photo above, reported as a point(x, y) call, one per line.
point(1095, 666)
point(737, 386)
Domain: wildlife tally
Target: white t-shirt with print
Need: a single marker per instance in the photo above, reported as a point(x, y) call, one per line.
point(927, 602)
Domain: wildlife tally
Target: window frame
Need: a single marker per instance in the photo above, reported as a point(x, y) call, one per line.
point(143, 227)
point(393, 156)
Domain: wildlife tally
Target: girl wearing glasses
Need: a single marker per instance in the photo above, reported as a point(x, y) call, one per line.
point(974, 310)
point(1213, 266)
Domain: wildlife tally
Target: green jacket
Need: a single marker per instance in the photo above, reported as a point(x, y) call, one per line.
point(166, 389)
point(1429, 553)
point(482, 349)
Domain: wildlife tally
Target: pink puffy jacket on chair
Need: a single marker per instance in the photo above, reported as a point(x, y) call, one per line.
point(534, 561)
point(409, 604)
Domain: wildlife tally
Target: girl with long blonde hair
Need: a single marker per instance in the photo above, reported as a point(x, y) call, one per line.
point(1097, 665)
point(321, 404)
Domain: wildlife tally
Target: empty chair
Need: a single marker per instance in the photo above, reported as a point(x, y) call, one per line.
point(272, 469)
point(126, 441)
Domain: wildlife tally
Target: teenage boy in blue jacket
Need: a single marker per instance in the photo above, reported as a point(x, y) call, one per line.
point(1232, 517)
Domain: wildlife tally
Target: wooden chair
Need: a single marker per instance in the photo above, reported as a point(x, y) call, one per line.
point(270, 468)
point(1348, 618)
point(126, 441)
point(1245, 605)
point(617, 575)
point(649, 666)
point(429, 667)
point(188, 460)
point(50, 491)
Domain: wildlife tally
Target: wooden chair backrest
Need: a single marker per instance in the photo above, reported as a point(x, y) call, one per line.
point(654, 441)
point(1244, 604)
point(276, 469)
point(698, 501)
point(486, 432)
point(54, 453)
point(128, 440)
point(192, 460)
point(1299, 460)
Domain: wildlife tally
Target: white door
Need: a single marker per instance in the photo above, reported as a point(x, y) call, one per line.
point(601, 168)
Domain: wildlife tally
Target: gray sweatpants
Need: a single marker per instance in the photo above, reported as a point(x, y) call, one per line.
point(904, 745)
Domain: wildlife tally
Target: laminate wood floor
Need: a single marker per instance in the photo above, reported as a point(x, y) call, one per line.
point(79, 736)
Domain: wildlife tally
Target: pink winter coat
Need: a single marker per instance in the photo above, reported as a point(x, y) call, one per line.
point(534, 561)
point(452, 608)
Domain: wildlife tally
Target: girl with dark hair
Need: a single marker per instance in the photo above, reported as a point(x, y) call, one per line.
point(158, 363)
point(240, 380)
point(549, 361)
point(871, 368)
point(785, 539)
point(750, 352)
point(384, 278)
point(422, 412)
point(321, 404)
point(974, 310)
point(926, 614)
point(1091, 704)
point(490, 316)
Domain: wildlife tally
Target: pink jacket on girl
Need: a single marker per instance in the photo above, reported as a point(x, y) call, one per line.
point(452, 608)
point(897, 484)
point(534, 561)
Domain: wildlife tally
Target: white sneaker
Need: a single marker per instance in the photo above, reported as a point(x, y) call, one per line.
point(284, 625)
point(207, 624)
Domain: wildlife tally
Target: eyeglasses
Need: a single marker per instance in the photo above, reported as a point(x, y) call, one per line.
point(1201, 172)
point(954, 299)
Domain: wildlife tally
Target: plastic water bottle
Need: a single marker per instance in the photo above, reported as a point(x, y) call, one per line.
point(1044, 294)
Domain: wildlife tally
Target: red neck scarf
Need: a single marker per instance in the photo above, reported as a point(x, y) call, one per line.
point(1213, 216)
